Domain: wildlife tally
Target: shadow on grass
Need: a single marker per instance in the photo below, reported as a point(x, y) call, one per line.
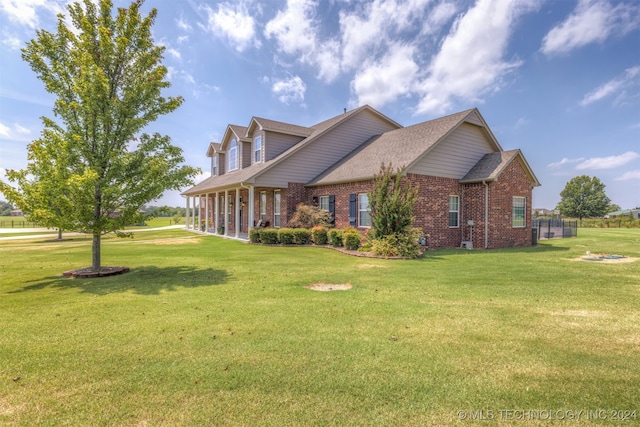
point(144, 280)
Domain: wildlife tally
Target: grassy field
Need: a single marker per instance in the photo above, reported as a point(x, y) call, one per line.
point(206, 331)
point(21, 223)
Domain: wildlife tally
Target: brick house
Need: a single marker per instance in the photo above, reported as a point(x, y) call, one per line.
point(471, 191)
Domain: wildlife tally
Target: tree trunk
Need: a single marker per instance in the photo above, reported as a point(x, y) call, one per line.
point(59, 233)
point(95, 252)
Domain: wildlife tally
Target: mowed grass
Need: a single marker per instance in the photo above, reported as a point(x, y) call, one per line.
point(206, 331)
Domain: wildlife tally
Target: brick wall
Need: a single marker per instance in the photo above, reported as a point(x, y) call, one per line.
point(513, 181)
point(295, 194)
point(341, 192)
point(432, 208)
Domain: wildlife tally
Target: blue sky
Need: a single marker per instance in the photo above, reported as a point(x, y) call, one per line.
point(559, 79)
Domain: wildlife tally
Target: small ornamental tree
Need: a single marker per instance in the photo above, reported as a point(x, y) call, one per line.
point(391, 203)
point(584, 197)
point(93, 170)
point(307, 216)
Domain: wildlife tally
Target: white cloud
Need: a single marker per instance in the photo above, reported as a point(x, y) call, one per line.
point(441, 14)
point(521, 122)
point(296, 33)
point(593, 21)
point(11, 41)
point(564, 161)
point(630, 175)
point(174, 52)
point(381, 82)
point(14, 132)
point(470, 62)
point(233, 22)
point(379, 22)
point(609, 162)
point(26, 12)
point(291, 90)
point(614, 86)
point(293, 28)
point(183, 25)
point(5, 131)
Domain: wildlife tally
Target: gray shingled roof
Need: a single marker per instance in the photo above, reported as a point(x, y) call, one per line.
point(491, 165)
point(400, 147)
point(250, 173)
point(213, 146)
point(281, 127)
point(240, 131)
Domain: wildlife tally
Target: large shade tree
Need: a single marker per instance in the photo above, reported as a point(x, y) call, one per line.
point(584, 197)
point(92, 169)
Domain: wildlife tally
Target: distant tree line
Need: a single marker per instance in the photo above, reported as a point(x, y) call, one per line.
point(165, 211)
point(156, 211)
point(5, 208)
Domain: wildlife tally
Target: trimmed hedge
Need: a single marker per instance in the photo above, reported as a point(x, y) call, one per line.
point(351, 240)
point(254, 235)
point(285, 236)
point(301, 236)
point(319, 235)
point(335, 237)
point(269, 236)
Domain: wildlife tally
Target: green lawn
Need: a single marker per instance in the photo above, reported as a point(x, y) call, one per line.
point(206, 331)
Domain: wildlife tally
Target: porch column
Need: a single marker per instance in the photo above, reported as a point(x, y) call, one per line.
point(225, 213)
point(193, 212)
point(207, 214)
point(216, 219)
point(186, 211)
point(252, 213)
point(199, 218)
point(237, 212)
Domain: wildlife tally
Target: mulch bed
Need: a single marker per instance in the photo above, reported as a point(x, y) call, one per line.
point(89, 272)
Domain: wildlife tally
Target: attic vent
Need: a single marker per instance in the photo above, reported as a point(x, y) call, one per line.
point(345, 110)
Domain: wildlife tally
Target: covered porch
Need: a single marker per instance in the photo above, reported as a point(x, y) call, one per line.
point(232, 212)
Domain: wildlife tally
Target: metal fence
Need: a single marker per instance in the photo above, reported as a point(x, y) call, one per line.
point(18, 223)
point(555, 227)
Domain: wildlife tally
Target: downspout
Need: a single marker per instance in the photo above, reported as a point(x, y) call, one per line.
point(486, 214)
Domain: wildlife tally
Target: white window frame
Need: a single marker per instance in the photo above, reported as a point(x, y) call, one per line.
point(364, 216)
point(276, 208)
point(263, 206)
point(454, 210)
point(324, 203)
point(518, 212)
point(257, 149)
point(214, 165)
point(233, 155)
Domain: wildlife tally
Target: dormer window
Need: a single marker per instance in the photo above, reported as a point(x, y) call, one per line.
point(257, 149)
point(214, 165)
point(233, 155)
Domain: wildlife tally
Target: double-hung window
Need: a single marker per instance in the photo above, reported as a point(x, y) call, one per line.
point(518, 213)
point(454, 211)
point(324, 203)
point(214, 165)
point(257, 149)
point(276, 208)
point(263, 206)
point(233, 155)
point(364, 218)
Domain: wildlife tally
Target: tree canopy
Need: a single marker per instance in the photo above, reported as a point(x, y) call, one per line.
point(92, 170)
point(584, 197)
